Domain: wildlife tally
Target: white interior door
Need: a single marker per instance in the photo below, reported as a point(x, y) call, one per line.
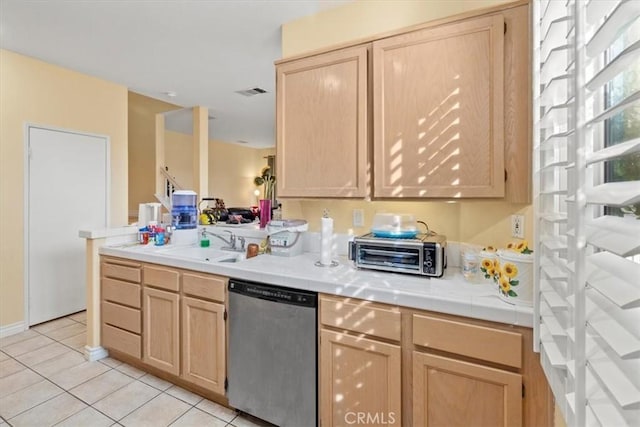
point(67, 192)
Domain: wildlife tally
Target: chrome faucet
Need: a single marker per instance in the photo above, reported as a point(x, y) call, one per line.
point(231, 242)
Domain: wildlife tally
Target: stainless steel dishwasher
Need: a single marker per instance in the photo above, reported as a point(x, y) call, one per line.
point(272, 366)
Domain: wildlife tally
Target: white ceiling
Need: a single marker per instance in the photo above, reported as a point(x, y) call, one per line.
point(203, 50)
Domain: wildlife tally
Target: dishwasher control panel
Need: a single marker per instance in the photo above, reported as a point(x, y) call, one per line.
point(273, 293)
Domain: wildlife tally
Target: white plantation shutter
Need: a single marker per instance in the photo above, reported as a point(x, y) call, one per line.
point(587, 272)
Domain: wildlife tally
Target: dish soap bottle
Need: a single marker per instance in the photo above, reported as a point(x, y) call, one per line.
point(204, 241)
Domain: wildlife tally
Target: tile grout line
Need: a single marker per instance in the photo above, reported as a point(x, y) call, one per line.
point(41, 403)
point(48, 379)
point(110, 368)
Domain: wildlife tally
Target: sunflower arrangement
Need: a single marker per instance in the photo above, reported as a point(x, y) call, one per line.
point(266, 179)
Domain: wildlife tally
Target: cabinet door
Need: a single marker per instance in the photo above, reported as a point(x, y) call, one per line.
point(161, 333)
point(203, 339)
point(321, 121)
point(448, 392)
point(359, 381)
point(438, 111)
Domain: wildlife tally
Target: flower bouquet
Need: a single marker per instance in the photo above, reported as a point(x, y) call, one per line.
point(266, 179)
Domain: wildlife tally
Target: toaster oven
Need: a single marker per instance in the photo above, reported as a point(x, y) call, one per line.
point(423, 255)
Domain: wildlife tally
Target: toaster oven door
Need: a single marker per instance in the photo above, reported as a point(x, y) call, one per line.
point(389, 258)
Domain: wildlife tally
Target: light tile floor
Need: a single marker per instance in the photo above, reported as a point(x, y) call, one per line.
point(45, 380)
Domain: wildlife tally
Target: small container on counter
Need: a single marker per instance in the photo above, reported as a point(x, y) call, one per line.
point(153, 226)
point(470, 262)
point(252, 250)
point(143, 235)
point(159, 237)
point(470, 266)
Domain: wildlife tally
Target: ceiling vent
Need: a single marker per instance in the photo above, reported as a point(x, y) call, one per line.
point(251, 92)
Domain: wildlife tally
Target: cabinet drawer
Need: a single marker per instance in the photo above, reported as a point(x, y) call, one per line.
point(162, 278)
point(122, 317)
point(492, 345)
point(209, 287)
point(123, 341)
point(361, 316)
point(121, 292)
point(130, 272)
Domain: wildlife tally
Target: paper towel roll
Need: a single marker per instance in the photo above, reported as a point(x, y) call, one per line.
point(326, 240)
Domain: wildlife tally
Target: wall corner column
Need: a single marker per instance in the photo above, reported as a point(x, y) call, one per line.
point(160, 161)
point(201, 151)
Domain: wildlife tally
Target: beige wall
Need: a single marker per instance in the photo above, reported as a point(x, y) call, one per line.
point(36, 92)
point(232, 168)
point(142, 146)
point(365, 18)
point(178, 154)
point(481, 222)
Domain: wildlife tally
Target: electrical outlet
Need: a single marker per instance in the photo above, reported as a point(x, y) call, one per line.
point(358, 218)
point(517, 226)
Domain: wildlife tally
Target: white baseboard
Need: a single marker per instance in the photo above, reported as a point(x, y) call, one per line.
point(12, 329)
point(95, 353)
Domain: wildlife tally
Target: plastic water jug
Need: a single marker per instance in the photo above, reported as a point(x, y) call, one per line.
point(184, 213)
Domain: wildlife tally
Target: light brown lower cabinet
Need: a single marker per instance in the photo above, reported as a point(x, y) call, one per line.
point(451, 393)
point(388, 365)
point(161, 324)
point(360, 363)
point(120, 306)
point(173, 320)
point(184, 325)
point(203, 344)
point(360, 381)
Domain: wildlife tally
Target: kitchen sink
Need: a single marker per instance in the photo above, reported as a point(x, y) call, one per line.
point(202, 254)
point(234, 259)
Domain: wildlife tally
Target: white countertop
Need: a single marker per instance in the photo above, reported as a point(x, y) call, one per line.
point(450, 294)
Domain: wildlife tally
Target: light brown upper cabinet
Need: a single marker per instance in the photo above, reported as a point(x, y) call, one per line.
point(321, 117)
point(438, 111)
point(449, 113)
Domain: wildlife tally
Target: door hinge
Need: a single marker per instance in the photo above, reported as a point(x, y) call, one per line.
point(226, 383)
point(225, 315)
point(505, 28)
point(523, 391)
point(505, 175)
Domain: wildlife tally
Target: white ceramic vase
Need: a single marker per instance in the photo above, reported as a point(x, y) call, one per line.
point(515, 278)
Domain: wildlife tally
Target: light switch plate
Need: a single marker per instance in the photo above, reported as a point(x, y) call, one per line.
point(358, 218)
